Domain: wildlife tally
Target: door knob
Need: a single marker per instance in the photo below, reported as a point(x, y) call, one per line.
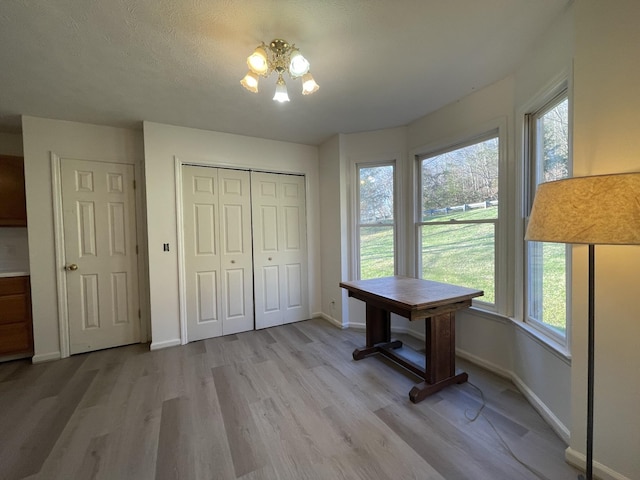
point(233, 261)
point(71, 268)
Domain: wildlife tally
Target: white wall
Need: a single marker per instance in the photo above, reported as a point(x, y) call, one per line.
point(42, 137)
point(334, 245)
point(164, 143)
point(607, 140)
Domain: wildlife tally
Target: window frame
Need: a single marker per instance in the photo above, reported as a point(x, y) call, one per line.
point(532, 169)
point(357, 166)
point(492, 129)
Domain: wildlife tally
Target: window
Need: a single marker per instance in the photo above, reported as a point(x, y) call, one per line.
point(376, 220)
point(547, 263)
point(459, 215)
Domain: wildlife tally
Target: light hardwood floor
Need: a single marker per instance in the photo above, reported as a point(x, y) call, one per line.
point(283, 403)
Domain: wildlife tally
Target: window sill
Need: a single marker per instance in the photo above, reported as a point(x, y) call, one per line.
point(557, 349)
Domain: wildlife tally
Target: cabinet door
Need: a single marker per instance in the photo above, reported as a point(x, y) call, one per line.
point(16, 336)
point(13, 208)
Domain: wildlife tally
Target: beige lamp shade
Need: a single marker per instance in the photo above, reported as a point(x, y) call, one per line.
point(600, 209)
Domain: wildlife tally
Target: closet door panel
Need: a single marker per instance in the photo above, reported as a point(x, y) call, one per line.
point(201, 252)
point(217, 251)
point(236, 258)
point(280, 256)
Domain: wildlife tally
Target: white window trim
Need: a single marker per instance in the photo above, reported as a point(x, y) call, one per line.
point(562, 81)
point(467, 137)
point(372, 161)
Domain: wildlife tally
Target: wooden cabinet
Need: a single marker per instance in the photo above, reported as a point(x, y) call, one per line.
point(13, 206)
point(16, 330)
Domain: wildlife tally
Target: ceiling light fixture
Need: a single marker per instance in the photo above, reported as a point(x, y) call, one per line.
point(280, 57)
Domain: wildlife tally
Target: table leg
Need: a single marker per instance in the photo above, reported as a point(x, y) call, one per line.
point(440, 347)
point(423, 390)
point(440, 356)
point(378, 333)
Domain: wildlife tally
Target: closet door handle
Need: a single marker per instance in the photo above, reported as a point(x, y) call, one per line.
point(71, 268)
point(269, 258)
point(233, 261)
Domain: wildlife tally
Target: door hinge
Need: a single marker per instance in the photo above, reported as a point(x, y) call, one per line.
point(139, 314)
point(136, 249)
point(134, 184)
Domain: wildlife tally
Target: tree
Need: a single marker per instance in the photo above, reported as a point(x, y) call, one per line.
point(376, 194)
point(460, 177)
point(555, 131)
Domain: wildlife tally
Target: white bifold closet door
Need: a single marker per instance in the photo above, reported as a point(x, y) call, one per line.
point(217, 251)
point(279, 249)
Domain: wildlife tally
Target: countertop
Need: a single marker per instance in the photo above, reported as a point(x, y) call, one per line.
point(13, 274)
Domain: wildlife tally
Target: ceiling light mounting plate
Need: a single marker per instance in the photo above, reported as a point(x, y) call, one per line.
point(279, 46)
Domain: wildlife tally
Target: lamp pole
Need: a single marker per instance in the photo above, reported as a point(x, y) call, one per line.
point(590, 362)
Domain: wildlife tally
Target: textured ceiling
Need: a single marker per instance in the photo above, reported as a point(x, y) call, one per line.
point(379, 63)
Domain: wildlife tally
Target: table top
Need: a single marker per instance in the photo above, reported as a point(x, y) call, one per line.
point(411, 293)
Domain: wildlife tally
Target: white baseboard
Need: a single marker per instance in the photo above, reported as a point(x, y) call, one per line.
point(579, 460)
point(411, 333)
point(554, 422)
point(331, 320)
point(363, 326)
point(46, 357)
point(498, 370)
point(357, 325)
point(166, 344)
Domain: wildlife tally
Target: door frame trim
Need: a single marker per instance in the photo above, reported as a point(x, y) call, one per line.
point(182, 285)
point(58, 236)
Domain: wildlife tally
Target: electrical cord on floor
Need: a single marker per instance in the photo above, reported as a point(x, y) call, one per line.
point(474, 417)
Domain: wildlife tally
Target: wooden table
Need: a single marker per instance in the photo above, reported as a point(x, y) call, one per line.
point(414, 299)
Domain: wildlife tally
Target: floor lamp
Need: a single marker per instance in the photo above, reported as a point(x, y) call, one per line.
point(596, 210)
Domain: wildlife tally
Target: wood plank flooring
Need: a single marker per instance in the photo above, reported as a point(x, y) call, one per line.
point(283, 403)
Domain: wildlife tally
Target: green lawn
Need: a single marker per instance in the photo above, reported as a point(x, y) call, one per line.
point(463, 255)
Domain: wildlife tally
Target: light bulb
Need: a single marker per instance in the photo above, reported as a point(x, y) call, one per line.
point(281, 94)
point(250, 82)
point(298, 65)
point(258, 62)
point(309, 85)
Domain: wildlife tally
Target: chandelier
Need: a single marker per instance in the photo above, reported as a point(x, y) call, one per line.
point(280, 57)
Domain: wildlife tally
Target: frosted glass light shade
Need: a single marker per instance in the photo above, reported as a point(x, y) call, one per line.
point(298, 65)
point(309, 85)
point(250, 82)
point(281, 94)
point(257, 61)
point(600, 209)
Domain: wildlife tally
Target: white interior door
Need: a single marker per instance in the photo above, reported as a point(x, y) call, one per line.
point(279, 248)
point(201, 252)
point(98, 204)
point(236, 257)
point(217, 250)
